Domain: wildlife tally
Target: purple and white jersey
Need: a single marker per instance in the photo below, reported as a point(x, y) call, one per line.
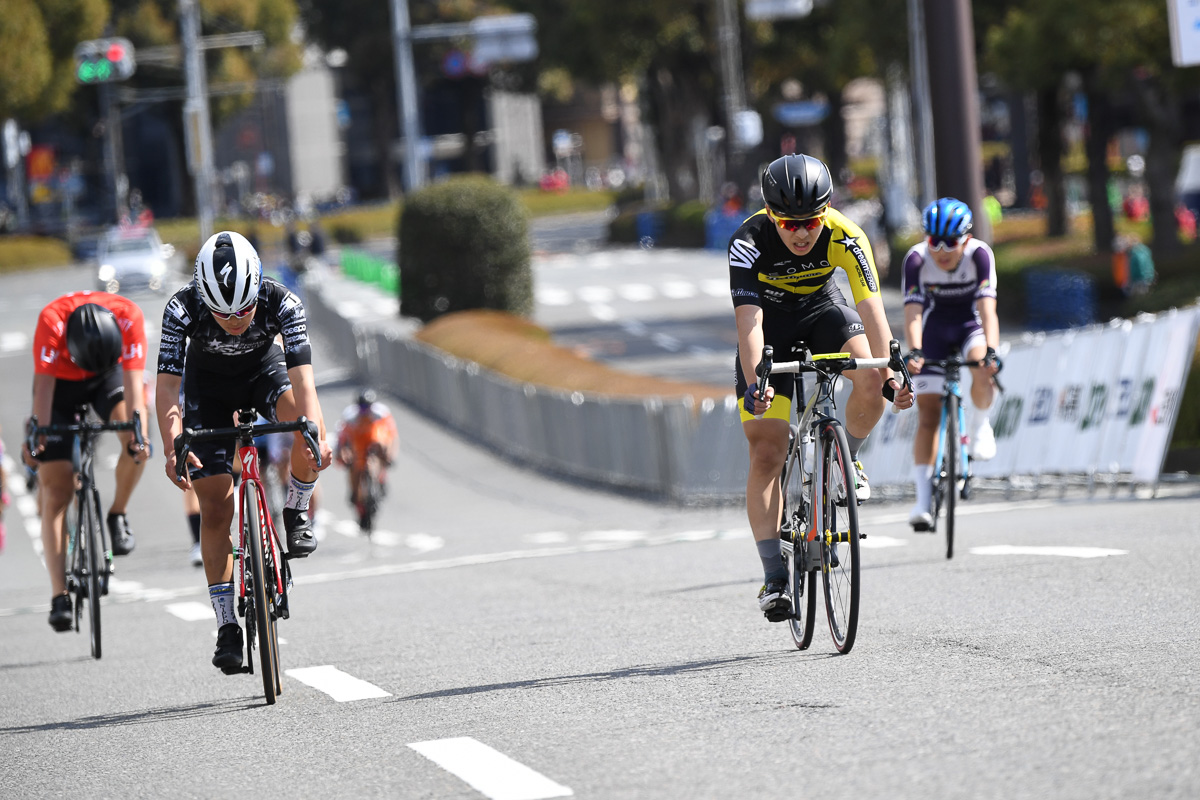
point(949, 296)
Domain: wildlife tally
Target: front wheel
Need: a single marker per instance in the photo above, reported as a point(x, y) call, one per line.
point(839, 534)
point(263, 621)
point(802, 587)
point(91, 559)
point(953, 448)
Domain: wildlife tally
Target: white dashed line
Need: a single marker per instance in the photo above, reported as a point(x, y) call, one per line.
point(637, 292)
point(873, 542)
point(339, 685)
point(602, 312)
point(715, 288)
point(1068, 552)
point(551, 296)
point(13, 341)
point(678, 290)
point(190, 611)
point(489, 771)
point(595, 294)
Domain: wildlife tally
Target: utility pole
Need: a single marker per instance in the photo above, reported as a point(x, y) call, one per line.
point(922, 116)
point(954, 95)
point(406, 95)
point(197, 126)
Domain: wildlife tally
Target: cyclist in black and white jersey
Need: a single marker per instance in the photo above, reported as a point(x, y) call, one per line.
point(218, 341)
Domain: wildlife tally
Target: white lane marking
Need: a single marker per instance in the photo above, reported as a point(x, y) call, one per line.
point(1068, 552)
point(667, 342)
point(339, 685)
point(633, 327)
point(637, 292)
point(873, 542)
point(715, 288)
point(602, 312)
point(678, 290)
point(489, 771)
point(190, 611)
point(424, 542)
point(12, 341)
point(595, 294)
point(548, 537)
point(613, 536)
point(553, 296)
point(26, 504)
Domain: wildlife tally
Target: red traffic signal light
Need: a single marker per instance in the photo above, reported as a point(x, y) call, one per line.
point(104, 60)
point(115, 52)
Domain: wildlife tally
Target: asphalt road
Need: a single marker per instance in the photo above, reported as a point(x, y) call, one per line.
point(509, 635)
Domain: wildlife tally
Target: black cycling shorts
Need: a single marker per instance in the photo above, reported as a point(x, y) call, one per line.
point(102, 392)
point(825, 329)
point(211, 398)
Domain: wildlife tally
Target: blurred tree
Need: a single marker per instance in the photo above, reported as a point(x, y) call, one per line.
point(37, 46)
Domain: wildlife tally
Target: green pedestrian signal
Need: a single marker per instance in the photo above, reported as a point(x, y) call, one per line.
point(104, 60)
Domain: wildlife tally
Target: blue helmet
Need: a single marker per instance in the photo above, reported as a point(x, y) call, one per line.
point(946, 217)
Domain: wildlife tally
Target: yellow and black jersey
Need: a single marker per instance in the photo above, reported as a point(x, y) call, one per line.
point(764, 272)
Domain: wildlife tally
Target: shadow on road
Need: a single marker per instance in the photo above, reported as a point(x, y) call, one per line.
point(640, 671)
point(137, 717)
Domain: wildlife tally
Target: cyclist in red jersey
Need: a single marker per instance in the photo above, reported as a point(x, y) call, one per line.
point(89, 348)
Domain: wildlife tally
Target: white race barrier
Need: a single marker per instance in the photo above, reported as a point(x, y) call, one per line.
point(1100, 400)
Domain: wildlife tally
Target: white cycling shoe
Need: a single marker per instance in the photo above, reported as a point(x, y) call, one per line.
point(983, 443)
point(920, 519)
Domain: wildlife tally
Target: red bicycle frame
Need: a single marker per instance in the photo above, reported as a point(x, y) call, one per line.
point(271, 543)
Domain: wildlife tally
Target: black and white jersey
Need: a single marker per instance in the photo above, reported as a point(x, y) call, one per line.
point(190, 334)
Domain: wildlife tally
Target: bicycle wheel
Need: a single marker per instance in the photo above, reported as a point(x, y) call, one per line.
point(950, 475)
point(367, 502)
point(262, 613)
point(801, 586)
point(839, 540)
point(90, 539)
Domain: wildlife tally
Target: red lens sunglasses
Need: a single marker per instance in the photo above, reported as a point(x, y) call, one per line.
point(245, 312)
point(789, 224)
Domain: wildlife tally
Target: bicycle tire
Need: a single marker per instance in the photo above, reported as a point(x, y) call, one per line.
point(839, 500)
point(90, 541)
point(262, 614)
point(801, 583)
point(950, 475)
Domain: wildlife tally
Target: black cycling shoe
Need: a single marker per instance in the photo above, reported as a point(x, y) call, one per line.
point(300, 538)
point(228, 657)
point(122, 537)
point(60, 613)
point(774, 602)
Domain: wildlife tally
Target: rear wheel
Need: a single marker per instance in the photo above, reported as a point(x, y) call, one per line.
point(262, 614)
point(839, 539)
point(801, 583)
point(950, 477)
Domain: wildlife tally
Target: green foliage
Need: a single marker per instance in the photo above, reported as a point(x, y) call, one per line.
point(464, 244)
point(26, 252)
point(26, 63)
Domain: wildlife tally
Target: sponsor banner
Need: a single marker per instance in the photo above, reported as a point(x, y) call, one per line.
point(1099, 399)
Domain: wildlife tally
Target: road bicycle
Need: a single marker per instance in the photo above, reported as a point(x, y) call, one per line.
point(820, 503)
point(89, 554)
point(260, 565)
point(952, 463)
point(370, 490)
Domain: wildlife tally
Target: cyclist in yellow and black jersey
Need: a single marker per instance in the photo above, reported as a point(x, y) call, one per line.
point(781, 266)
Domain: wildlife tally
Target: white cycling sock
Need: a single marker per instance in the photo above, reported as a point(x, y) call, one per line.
point(299, 493)
point(922, 475)
point(221, 595)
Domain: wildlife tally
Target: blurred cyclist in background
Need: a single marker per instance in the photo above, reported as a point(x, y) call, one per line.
point(368, 431)
point(949, 288)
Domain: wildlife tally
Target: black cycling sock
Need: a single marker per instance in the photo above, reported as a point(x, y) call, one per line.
point(769, 551)
point(194, 522)
point(855, 443)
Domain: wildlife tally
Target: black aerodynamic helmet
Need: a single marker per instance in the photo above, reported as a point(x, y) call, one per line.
point(366, 398)
point(797, 186)
point(93, 338)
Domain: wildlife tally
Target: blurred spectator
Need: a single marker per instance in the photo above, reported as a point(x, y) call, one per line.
point(555, 180)
point(1186, 221)
point(1141, 267)
point(731, 200)
point(316, 247)
point(1136, 206)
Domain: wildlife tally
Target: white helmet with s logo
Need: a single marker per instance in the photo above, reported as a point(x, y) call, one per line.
point(228, 273)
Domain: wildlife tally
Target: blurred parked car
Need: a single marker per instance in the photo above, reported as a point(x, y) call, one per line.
point(132, 259)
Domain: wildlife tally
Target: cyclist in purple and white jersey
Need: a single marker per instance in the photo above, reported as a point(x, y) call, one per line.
point(949, 288)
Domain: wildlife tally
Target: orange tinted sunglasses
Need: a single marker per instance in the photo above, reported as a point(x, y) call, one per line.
point(793, 225)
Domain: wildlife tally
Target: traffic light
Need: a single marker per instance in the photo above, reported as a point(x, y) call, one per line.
point(104, 60)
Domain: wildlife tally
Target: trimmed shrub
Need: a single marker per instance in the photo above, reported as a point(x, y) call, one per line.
point(27, 252)
point(464, 244)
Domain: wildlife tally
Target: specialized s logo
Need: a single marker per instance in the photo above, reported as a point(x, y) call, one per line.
point(226, 271)
point(248, 465)
point(742, 254)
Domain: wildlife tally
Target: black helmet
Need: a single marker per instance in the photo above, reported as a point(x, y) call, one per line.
point(797, 186)
point(366, 397)
point(93, 338)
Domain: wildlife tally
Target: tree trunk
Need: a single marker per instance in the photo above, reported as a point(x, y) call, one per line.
point(676, 100)
point(834, 128)
point(1099, 131)
point(1050, 151)
point(1159, 106)
point(383, 127)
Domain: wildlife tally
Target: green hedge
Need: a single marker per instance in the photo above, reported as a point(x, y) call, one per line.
point(464, 244)
point(26, 252)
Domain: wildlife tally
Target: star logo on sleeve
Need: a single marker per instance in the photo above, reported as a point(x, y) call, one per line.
point(847, 241)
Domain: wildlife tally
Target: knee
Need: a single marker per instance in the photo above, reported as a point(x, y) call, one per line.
point(869, 383)
point(767, 455)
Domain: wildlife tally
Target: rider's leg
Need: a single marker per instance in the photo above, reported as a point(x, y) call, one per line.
point(866, 403)
point(56, 486)
point(215, 495)
point(929, 408)
point(768, 439)
point(128, 471)
point(983, 391)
